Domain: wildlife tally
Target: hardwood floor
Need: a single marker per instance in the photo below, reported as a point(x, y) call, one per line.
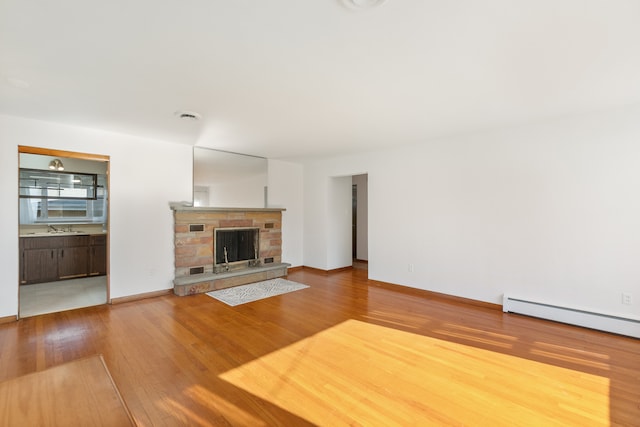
point(346, 351)
point(66, 395)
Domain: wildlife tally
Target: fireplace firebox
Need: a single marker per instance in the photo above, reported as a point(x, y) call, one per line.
point(236, 245)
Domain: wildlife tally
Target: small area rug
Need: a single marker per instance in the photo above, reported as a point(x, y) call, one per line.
point(255, 291)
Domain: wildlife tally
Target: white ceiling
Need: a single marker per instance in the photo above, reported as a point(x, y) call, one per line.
point(290, 78)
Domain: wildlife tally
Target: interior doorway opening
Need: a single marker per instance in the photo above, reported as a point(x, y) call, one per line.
point(63, 227)
point(360, 220)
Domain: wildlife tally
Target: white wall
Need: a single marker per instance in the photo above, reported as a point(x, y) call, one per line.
point(548, 211)
point(9, 265)
point(141, 223)
point(315, 199)
point(327, 214)
point(339, 221)
point(285, 191)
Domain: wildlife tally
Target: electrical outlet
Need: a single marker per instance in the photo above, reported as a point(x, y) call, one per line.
point(627, 298)
point(410, 268)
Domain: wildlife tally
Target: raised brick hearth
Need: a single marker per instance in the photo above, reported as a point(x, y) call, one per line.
point(193, 243)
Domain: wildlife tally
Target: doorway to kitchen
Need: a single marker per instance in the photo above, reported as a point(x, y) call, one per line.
point(63, 227)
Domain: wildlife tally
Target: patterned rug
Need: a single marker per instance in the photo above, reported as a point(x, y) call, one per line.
point(255, 291)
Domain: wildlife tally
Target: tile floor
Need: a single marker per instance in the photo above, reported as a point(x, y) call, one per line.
point(64, 295)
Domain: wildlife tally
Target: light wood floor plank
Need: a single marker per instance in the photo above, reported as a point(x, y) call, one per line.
point(78, 393)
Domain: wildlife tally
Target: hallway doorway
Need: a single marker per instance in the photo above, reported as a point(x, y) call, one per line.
point(360, 220)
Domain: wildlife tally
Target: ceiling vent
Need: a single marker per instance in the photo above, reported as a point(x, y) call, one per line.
point(188, 115)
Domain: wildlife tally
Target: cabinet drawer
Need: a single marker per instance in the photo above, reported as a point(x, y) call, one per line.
point(98, 240)
point(74, 241)
point(54, 242)
point(41, 242)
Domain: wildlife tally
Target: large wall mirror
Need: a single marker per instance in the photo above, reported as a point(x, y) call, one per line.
point(228, 180)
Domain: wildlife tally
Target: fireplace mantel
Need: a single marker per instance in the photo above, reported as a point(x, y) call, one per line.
point(194, 228)
point(183, 208)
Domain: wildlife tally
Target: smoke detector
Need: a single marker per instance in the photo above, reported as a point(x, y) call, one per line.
point(363, 4)
point(188, 115)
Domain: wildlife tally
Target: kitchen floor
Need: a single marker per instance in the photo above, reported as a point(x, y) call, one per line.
point(51, 297)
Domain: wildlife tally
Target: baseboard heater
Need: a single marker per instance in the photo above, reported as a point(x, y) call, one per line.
point(572, 316)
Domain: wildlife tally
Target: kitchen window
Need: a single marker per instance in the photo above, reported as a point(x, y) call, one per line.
point(62, 197)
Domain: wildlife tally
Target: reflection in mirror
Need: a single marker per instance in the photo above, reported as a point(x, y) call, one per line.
point(228, 180)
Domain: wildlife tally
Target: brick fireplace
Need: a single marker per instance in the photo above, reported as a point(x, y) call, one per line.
point(196, 268)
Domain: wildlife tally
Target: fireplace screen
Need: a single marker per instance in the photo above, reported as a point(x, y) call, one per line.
point(236, 244)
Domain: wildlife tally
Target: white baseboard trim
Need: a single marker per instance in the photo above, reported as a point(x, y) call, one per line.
point(573, 316)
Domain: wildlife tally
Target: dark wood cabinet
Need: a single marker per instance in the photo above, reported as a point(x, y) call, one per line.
point(98, 256)
point(39, 265)
point(73, 256)
point(39, 259)
point(47, 259)
point(73, 262)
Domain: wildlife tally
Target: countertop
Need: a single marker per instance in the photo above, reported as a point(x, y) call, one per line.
point(64, 233)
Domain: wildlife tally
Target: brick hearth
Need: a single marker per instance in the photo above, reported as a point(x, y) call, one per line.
point(193, 249)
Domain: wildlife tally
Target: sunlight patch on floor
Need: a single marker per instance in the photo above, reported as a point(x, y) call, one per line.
point(199, 395)
point(360, 373)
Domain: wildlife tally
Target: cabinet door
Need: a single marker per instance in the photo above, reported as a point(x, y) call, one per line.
point(98, 260)
point(73, 262)
point(39, 265)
